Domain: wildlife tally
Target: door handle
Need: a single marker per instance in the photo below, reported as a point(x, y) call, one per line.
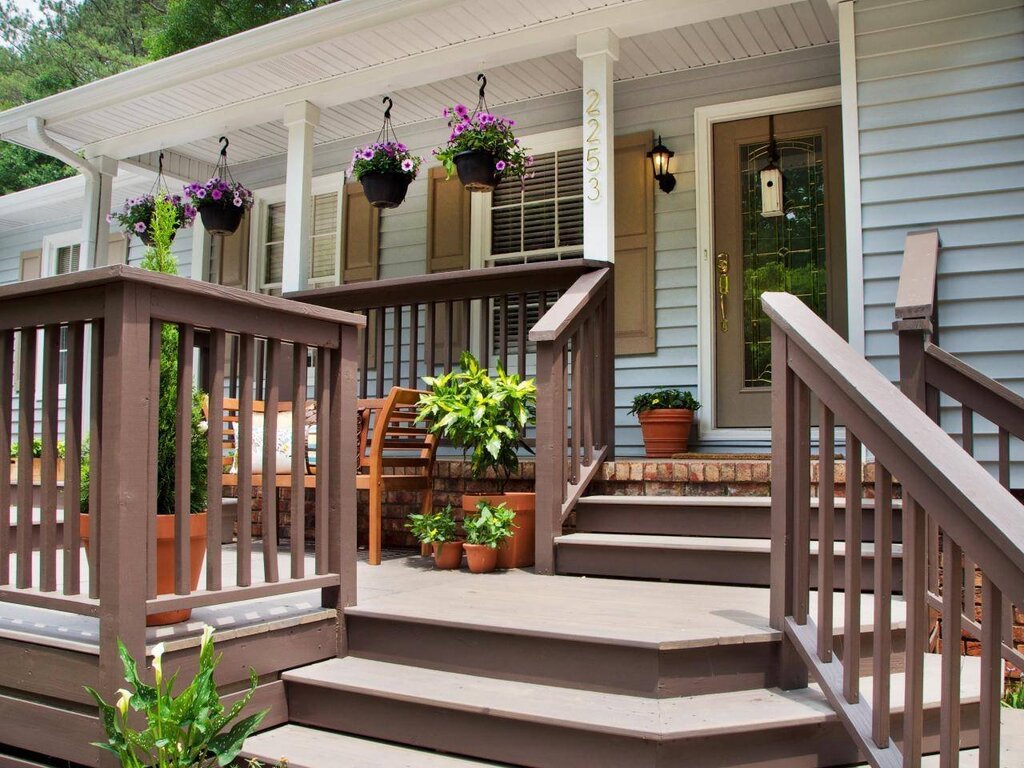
point(722, 268)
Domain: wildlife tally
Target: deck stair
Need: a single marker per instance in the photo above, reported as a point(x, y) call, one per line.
point(709, 539)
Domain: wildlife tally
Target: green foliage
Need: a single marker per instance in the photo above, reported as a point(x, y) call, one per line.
point(486, 132)
point(1014, 696)
point(190, 730)
point(434, 526)
point(489, 525)
point(664, 398)
point(37, 449)
point(483, 416)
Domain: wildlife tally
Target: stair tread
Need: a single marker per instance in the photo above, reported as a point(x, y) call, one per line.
point(626, 715)
point(690, 543)
point(313, 748)
point(764, 502)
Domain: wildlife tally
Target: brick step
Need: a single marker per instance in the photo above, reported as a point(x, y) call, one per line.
point(714, 516)
point(539, 726)
point(708, 560)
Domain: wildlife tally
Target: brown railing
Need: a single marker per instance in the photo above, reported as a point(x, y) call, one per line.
point(979, 518)
point(100, 334)
point(418, 326)
point(575, 402)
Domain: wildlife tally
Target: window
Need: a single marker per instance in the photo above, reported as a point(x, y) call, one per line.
point(324, 255)
point(542, 218)
point(67, 258)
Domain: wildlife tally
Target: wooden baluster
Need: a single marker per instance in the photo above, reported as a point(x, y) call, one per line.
point(484, 329)
point(915, 593)
point(826, 530)
point(364, 357)
point(381, 318)
point(183, 463)
point(521, 337)
point(802, 504)
point(607, 372)
point(244, 461)
point(414, 346)
point(297, 527)
point(271, 400)
point(428, 337)
point(449, 334)
point(215, 461)
point(48, 475)
point(6, 413)
point(566, 458)
point(949, 730)
point(96, 456)
point(1004, 457)
point(466, 319)
point(852, 571)
point(575, 410)
point(882, 652)
point(587, 392)
point(503, 330)
point(550, 450)
point(155, 341)
point(26, 434)
point(991, 673)
point(396, 346)
point(967, 429)
point(323, 448)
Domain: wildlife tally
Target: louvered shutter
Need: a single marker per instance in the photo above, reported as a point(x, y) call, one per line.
point(448, 223)
point(323, 262)
point(360, 235)
point(634, 246)
point(67, 258)
point(233, 258)
point(30, 264)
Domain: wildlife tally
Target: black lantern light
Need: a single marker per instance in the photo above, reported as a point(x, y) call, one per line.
point(660, 157)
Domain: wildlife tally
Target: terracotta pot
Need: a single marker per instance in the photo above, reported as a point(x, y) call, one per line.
point(517, 551)
point(220, 219)
point(385, 190)
point(447, 555)
point(480, 558)
point(476, 170)
point(165, 560)
point(666, 431)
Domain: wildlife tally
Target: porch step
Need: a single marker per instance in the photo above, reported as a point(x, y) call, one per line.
point(705, 559)
point(714, 516)
point(311, 748)
point(538, 725)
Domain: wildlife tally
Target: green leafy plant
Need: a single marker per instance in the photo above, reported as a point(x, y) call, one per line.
point(434, 526)
point(1014, 696)
point(484, 416)
point(384, 157)
point(190, 730)
point(490, 525)
point(663, 398)
point(485, 132)
point(37, 449)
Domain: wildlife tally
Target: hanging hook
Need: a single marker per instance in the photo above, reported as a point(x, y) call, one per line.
point(387, 112)
point(160, 165)
point(224, 146)
point(483, 84)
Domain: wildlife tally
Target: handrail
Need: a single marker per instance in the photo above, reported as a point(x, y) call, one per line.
point(575, 401)
point(976, 514)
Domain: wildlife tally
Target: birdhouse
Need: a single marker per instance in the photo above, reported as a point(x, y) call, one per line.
point(771, 191)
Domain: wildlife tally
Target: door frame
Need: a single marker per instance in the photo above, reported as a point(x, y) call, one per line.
point(704, 119)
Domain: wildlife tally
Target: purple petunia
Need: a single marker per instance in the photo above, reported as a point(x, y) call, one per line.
point(408, 165)
point(217, 194)
point(461, 111)
point(140, 227)
point(367, 154)
point(499, 166)
point(201, 193)
point(238, 202)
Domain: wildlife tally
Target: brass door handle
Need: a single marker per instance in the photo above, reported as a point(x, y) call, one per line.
point(722, 268)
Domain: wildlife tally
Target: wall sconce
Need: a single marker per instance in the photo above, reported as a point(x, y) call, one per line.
point(660, 156)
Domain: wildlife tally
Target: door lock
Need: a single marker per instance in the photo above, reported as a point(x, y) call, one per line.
point(722, 268)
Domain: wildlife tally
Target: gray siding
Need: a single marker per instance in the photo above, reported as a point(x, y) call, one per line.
point(941, 118)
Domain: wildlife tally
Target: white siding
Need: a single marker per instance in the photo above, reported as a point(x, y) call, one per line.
point(941, 116)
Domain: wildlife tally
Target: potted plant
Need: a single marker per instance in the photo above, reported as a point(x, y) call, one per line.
point(221, 203)
point(385, 169)
point(437, 529)
point(666, 416)
point(159, 259)
point(485, 416)
point(37, 461)
point(487, 529)
point(136, 215)
point(482, 148)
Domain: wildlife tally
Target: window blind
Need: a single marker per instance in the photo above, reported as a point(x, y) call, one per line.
point(323, 263)
point(67, 258)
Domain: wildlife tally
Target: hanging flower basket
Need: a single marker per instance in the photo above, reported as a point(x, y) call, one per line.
point(386, 167)
point(481, 147)
point(136, 214)
point(221, 201)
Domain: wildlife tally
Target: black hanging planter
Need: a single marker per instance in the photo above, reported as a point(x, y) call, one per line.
point(476, 170)
point(385, 189)
point(220, 219)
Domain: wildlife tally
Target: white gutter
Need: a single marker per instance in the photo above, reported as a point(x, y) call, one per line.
point(37, 130)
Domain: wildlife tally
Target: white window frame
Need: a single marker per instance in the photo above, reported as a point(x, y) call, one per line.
point(53, 243)
point(267, 196)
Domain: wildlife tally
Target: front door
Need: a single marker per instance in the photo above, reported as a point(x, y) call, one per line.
point(801, 251)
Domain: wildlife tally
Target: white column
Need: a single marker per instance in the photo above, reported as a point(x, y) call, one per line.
point(95, 227)
point(300, 118)
point(598, 50)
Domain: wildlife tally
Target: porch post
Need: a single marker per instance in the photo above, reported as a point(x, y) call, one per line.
point(300, 118)
point(95, 227)
point(598, 50)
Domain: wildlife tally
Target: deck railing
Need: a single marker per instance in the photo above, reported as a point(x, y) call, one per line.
point(575, 402)
point(978, 517)
point(94, 341)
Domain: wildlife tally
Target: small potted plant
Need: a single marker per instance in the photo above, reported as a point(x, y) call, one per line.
point(159, 259)
point(37, 461)
point(438, 530)
point(221, 203)
point(385, 169)
point(486, 530)
point(482, 148)
point(666, 416)
point(486, 416)
point(136, 215)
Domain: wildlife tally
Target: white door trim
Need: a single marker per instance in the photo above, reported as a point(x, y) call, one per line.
point(704, 119)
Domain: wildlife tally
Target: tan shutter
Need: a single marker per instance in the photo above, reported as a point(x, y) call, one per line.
point(323, 260)
point(634, 246)
point(448, 223)
point(360, 235)
point(233, 251)
point(117, 251)
point(31, 263)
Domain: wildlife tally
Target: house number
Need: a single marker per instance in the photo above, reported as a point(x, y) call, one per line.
point(593, 144)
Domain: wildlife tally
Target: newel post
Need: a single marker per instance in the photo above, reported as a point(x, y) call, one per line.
point(550, 459)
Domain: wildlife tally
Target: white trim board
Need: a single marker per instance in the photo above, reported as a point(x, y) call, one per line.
point(704, 119)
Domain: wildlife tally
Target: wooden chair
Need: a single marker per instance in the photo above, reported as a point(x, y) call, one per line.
point(399, 459)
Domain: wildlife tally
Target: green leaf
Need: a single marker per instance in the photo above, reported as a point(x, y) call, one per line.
point(227, 746)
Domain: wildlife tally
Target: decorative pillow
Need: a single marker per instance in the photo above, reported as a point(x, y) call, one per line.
point(283, 447)
point(311, 441)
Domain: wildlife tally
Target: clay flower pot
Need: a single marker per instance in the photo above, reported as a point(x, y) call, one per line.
point(447, 555)
point(480, 558)
point(386, 189)
point(666, 431)
point(476, 170)
point(518, 550)
point(165, 560)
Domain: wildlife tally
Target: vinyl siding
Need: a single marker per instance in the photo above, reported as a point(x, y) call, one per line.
point(940, 88)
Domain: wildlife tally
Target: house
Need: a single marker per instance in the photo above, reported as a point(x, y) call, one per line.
point(889, 117)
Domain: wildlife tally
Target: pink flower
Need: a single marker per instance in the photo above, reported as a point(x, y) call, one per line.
point(499, 166)
point(461, 111)
point(216, 194)
point(367, 154)
point(140, 227)
point(408, 165)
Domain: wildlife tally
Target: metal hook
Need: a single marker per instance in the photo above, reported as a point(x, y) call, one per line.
point(483, 83)
point(224, 146)
point(160, 165)
point(387, 112)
